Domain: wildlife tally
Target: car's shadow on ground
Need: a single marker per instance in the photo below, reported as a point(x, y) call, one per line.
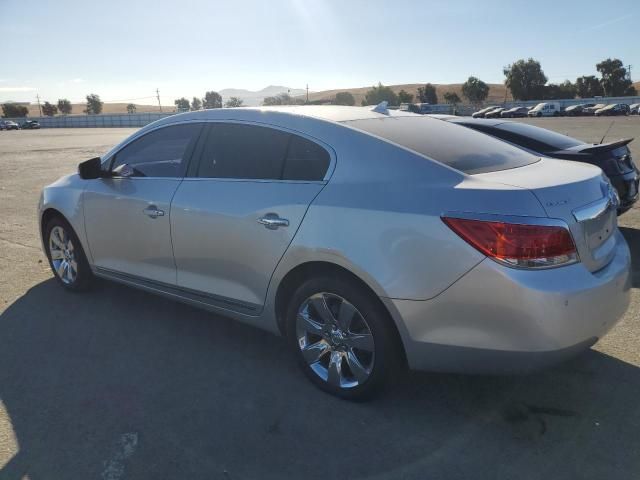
point(118, 380)
point(632, 235)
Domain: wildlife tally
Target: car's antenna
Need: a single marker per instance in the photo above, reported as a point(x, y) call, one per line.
point(605, 133)
point(381, 108)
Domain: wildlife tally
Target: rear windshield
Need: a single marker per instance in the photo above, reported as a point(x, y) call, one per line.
point(554, 140)
point(453, 145)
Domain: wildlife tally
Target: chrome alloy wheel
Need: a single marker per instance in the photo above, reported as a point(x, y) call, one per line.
point(63, 255)
point(335, 340)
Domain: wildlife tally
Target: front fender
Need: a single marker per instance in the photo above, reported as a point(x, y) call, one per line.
point(65, 196)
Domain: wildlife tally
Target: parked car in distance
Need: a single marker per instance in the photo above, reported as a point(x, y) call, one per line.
point(545, 109)
point(481, 113)
point(514, 112)
point(592, 110)
point(495, 113)
point(577, 110)
point(30, 125)
point(613, 158)
point(420, 108)
point(9, 125)
point(613, 109)
point(370, 238)
point(634, 109)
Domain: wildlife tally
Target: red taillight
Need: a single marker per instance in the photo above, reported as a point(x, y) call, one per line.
point(516, 244)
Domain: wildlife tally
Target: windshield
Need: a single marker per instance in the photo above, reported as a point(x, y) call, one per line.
point(450, 144)
point(554, 140)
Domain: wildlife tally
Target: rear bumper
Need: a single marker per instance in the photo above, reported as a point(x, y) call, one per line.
point(497, 319)
point(627, 187)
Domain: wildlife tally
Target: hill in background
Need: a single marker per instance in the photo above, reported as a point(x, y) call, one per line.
point(497, 93)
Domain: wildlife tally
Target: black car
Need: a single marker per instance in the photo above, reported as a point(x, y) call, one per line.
point(612, 110)
point(577, 110)
point(515, 112)
point(495, 113)
point(613, 158)
point(30, 125)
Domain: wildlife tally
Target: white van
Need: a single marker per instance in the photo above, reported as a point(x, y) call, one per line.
point(549, 109)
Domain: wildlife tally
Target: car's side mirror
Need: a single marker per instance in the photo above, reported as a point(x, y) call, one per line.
point(90, 169)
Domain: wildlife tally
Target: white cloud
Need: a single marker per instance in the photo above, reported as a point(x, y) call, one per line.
point(78, 80)
point(17, 89)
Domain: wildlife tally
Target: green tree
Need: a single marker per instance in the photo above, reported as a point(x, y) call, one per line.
point(94, 104)
point(12, 110)
point(475, 90)
point(588, 86)
point(233, 102)
point(615, 82)
point(64, 106)
point(405, 97)
point(344, 98)
point(555, 91)
point(525, 79)
point(380, 94)
point(182, 104)
point(49, 110)
point(131, 108)
point(196, 103)
point(427, 94)
point(452, 98)
point(212, 100)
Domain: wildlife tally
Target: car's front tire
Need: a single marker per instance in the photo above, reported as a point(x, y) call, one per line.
point(342, 337)
point(66, 255)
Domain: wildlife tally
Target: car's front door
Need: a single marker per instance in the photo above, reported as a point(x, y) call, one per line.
point(237, 211)
point(127, 214)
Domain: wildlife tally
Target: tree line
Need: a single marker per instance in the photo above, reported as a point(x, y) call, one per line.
point(210, 100)
point(525, 79)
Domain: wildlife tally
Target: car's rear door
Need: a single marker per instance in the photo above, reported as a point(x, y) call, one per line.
point(127, 215)
point(236, 212)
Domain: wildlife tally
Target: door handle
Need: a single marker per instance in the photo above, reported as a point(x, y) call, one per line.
point(153, 211)
point(272, 221)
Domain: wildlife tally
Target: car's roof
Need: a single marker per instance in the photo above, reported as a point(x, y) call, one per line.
point(331, 113)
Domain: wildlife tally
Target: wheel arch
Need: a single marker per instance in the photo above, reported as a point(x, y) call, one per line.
point(310, 269)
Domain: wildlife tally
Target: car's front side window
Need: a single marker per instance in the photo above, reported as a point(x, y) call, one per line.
point(160, 153)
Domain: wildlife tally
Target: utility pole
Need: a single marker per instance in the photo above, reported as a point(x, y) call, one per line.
point(158, 95)
point(39, 107)
point(307, 93)
point(629, 71)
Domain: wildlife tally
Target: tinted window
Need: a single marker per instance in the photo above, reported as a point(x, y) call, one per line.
point(555, 141)
point(243, 151)
point(454, 145)
point(260, 153)
point(161, 153)
point(305, 160)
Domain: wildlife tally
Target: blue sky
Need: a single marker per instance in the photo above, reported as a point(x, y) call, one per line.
point(123, 50)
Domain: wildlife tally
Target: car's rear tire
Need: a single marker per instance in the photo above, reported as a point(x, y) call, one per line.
point(66, 256)
point(342, 337)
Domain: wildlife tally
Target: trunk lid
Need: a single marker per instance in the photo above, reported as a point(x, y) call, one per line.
point(577, 193)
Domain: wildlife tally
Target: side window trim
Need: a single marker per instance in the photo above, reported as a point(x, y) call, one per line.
point(192, 172)
point(189, 152)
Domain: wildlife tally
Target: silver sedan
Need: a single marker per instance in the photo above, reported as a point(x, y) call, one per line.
point(372, 239)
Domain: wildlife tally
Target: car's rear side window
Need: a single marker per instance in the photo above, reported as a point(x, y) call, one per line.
point(255, 152)
point(306, 160)
point(453, 145)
